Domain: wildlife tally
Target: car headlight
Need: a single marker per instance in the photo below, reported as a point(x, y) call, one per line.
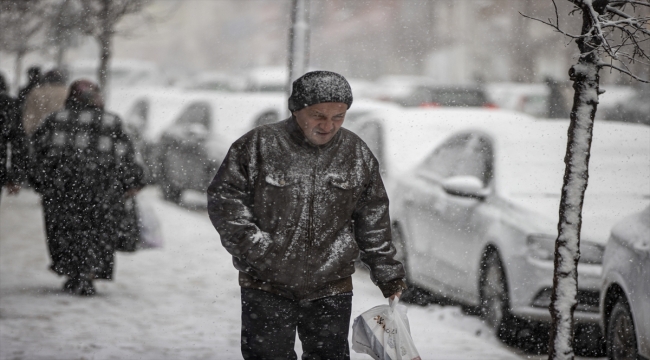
point(542, 247)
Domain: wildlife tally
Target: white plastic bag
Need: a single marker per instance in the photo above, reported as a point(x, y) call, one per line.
point(380, 331)
point(150, 233)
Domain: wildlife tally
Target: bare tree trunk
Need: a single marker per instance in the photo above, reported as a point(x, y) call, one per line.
point(105, 37)
point(104, 61)
point(585, 79)
point(60, 52)
point(18, 70)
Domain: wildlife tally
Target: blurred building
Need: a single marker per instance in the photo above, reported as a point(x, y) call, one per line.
point(451, 41)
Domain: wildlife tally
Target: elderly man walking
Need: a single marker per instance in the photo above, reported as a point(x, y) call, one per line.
point(295, 203)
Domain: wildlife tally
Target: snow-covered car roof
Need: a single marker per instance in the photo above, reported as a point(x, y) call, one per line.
point(123, 72)
point(163, 106)
point(414, 132)
point(529, 153)
point(234, 114)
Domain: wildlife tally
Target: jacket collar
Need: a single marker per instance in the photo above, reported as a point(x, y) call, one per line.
point(296, 134)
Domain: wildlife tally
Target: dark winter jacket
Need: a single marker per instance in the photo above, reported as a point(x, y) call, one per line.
point(296, 216)
point(84, 163)
point(12, 143)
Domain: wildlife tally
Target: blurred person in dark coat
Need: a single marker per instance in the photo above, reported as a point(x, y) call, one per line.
point(44, 99)
point(33, 80)
point(85, 169)
point(13, 149)
point(557, 107)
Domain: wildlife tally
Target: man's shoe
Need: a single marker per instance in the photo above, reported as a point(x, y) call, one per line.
point(72, 286)
point(87, 288)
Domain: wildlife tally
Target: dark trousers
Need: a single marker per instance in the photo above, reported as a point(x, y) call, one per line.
point(269, 325)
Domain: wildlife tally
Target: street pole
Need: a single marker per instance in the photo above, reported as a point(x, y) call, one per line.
point(298, 41)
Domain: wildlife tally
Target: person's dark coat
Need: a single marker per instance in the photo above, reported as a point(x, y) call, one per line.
point(13, 146)
point(33, 80)
point(84, 163)
point(295, 217)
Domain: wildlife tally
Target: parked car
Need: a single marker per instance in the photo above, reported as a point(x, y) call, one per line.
point(123, 73)
point(475, 198)
point(391, 87)
point(625, 296)
point(215, 81)
point(193, 146)
point(149, 113)
point(635, 108)
point(531, 99)
point(267, 79)
point(445, 96)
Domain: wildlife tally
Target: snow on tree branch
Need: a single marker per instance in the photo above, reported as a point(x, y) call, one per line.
point(617, 29)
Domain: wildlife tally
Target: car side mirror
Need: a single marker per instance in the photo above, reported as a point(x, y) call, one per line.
point(465, 186)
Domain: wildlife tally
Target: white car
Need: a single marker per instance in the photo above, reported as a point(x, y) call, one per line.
point(625, 297)
point(123, 73)
point(531, 99)
point(193, 145)
point(146, 113)
point(267, 79)
point(475, 200)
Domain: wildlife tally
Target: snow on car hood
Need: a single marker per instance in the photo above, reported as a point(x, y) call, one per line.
point(530, 170)
point(599, 212)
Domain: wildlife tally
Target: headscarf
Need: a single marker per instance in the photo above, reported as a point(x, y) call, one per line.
point(84, 94)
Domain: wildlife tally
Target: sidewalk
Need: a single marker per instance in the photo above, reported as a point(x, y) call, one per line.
point(179, 302)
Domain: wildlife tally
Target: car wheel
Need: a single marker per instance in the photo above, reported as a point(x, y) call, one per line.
point(170, 191)
point(494, 293)
point(621, 338)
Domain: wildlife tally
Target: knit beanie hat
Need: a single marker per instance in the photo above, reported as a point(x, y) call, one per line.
point(319, 87)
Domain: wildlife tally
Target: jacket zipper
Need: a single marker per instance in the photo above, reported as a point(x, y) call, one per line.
point(310, 230)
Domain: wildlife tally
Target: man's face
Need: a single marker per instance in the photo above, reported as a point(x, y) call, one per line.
point(320, 122)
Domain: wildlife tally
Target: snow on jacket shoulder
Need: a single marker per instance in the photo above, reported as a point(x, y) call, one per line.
point(296, 216)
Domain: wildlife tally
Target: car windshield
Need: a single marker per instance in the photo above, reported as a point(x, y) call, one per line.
point(532, 164)
point(458, 97)
point(452, 97)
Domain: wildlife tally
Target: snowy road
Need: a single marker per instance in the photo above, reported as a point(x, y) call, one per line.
point(179, 302)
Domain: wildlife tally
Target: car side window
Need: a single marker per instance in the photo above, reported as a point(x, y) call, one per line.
point(477, 159)
point(197, 113)
point(442, 163)
point(465, 154)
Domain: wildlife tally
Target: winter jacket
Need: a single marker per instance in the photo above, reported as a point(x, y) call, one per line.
point(296, 216)
point(12, 143)
point(84, 163)
point(42, 101)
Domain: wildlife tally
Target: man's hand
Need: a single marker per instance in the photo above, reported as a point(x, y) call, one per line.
point(397, 294)
point(13, 189)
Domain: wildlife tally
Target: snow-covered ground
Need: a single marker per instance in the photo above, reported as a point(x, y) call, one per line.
point(178, 302)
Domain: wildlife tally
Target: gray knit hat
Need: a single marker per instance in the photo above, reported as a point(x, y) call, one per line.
point(319, 87)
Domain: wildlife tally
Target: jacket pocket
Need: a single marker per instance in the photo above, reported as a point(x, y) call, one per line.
point(280, 180)
point(342, 195)
point(277, 201)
